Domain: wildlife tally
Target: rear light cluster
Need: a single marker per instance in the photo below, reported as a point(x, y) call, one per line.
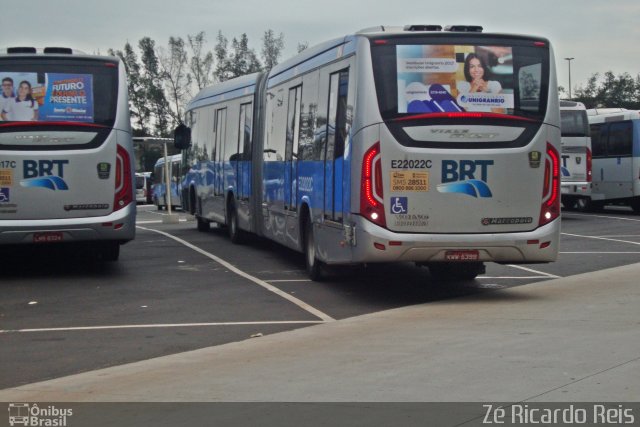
point(124, 186)
point(371, 192)
point(589, 165)
point(551, 190)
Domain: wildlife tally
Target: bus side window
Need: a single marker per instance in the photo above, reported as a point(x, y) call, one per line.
point(620, 138)
point(598, 140)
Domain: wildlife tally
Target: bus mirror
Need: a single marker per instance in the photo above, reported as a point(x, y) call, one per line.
point(182, 137)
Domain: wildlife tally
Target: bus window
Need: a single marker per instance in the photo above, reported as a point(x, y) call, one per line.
point(620, 137)
point(599, 140)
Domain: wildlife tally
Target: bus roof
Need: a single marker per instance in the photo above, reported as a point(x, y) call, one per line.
point(601, 115)
point(230, 89)
point(571, 105)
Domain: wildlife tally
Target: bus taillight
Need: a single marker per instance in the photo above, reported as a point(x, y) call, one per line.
point(371, 192)
point(551, 190)
point(123, 187)
point(589, 164)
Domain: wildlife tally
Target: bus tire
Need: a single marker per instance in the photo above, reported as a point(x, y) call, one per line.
point(448, 271)
point(202, 224)
point(313, 265)
point(110, 251)
point(235, 234)
point(635, 204)
point(583, 204)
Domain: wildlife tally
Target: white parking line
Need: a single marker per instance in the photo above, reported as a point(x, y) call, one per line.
point(600, 253)
point(157, 221)
point(514, 277)
point(160, 325)
point(303, 305)
point(621, 218)
point(601, 238)
point(531, 270)
point(288, 280)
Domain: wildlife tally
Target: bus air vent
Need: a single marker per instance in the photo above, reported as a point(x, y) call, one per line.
point(423, 27)
point(464, 28)
point(21, 50)
point(63, 50)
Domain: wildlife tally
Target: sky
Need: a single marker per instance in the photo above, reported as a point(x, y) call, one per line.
point(601, 35)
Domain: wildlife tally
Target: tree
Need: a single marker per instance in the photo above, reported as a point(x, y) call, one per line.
point(242, 60)
point(151, 81)
point(621, 91)
point(271, 49)
point(175, 75)
point(302, 46)
point(201, 64)
point(221, 72)
point(138, 107)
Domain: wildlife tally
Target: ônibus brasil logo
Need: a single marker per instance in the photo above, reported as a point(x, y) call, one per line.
point(26, 414)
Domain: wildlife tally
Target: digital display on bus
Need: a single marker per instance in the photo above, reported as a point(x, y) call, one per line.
point(451, 78)
point(413, 76)
point(60, 97)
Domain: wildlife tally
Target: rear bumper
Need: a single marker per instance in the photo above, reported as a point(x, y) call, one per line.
point(576, 189)
point(119, 226)
point(502, 247)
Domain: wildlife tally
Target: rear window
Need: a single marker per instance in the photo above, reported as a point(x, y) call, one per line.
point(140, 181)
point(37, 89)
point(440, 73)
point(574, 123)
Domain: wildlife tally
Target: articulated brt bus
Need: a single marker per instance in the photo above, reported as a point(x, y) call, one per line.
point(392, 144)
point(66, 155)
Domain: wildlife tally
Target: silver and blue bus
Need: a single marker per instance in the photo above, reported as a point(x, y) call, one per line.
point(66, 155)
point(615, 138)
point(439, 147)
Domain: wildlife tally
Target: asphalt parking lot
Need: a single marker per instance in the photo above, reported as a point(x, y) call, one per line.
point(176, 289)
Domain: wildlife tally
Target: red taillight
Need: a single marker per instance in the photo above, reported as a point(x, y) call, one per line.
point(371, 192)
point(123, 187)
point(551, 189)
point(589, 165)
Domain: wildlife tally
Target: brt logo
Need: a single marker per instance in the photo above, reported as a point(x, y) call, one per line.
point(466, 177)
point(44, 174)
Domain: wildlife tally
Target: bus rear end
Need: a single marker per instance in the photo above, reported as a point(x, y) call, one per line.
point(454, 169)
point(66, 155)
point(576, 169)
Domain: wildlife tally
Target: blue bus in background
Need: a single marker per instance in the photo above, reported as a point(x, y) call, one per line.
point(159, 188)
point(373, 148)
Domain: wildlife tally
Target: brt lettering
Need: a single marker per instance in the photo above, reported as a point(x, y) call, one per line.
point(37, 168)
point(463, 170)
point(564, 161)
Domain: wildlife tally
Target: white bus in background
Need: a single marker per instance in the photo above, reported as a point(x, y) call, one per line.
point(615, 140)
point(576, 155)
point(378, 147)
point(66, 154)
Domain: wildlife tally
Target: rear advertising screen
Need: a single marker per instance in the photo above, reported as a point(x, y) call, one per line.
point(454, 78)
point(57, 97)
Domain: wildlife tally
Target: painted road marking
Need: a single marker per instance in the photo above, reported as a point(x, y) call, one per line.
point(531, 270)
point(303, 305)
point(604, 216)
point(288, 280)
point(600, 253)
point(160, 325)
point(601, 238)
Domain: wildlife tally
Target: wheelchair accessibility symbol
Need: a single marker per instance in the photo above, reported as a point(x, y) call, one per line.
point(399, 205)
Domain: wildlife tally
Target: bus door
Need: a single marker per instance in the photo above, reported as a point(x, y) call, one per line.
point(242, 163)
point(291, 149)
point(336, 136)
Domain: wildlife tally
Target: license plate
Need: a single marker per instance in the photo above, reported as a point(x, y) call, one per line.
point(468, 255)
point(48, 237)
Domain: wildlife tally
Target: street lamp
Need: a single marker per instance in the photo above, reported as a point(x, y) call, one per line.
point(569, 61)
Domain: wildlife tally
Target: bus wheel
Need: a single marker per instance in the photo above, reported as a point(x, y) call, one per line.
point(447, 271)
point(235, 234)
point(313, 265)
point(203, 224)
point(583, 204)
point(110, 251)
point(635, 204)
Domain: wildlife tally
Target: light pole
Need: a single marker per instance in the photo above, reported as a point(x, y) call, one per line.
point(569, 61)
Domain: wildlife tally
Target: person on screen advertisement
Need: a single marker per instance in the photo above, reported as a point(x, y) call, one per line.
point(7, 92)
point(23, 107)
point(476, 75)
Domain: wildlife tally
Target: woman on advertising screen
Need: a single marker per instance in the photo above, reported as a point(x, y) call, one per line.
point(23, 107)
point(475, 75)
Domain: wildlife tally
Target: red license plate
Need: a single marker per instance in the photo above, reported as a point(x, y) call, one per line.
point(469, 255)
point(48, 237)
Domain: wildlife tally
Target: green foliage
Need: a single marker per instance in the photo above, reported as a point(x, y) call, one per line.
point(609, 90)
